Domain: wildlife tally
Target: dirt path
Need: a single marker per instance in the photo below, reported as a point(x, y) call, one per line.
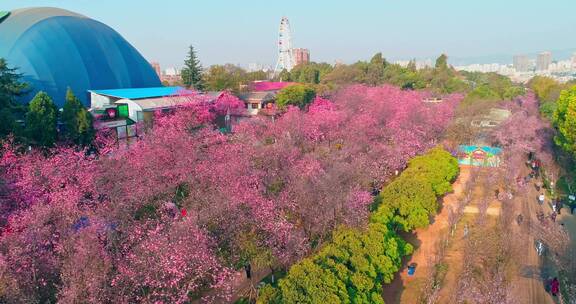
point(454, 257)
point(407, 289)
point(528, 271)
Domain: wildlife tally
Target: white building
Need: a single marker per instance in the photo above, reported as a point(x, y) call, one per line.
point(122, 109)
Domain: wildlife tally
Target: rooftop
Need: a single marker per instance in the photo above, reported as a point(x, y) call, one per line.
point(269, 85)
point(259, 96)
point(139, 93)
point(150, 104)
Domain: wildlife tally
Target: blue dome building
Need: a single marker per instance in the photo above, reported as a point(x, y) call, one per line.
point(55, 49)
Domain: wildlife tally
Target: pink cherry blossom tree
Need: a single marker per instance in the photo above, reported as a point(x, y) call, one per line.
point(170, 216)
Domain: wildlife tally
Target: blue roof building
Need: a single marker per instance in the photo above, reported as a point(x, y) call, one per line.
point(139, 93)
point(55, 49)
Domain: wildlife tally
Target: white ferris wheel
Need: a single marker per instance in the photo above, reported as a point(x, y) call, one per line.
point(285, 59)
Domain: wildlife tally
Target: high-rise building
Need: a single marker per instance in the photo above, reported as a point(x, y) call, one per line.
point(521, 63)
point(172, 76)
point(301, 56)
point(543, 61)
point(156, 67)
point(573, 60)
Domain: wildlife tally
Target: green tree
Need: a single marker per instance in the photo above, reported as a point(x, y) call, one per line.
point(41, 121)
point(192, 71)
point(285, 75)
point(545, 88)
point(443, 77)
point(69, 118)
point(409, 200)
point(306, 73)
point(8, 125)
point(412, 199)
point(297, 95)
point(76, 120)
point(10, 85)
point(225, 77)
point(269, 295)
point(307, 282)
point(311, 73)
point(10, 88)
point(482, 93)
point(256, 75)
point(438, 167)
point(352, 267)
point(513, 91)
point(85, 128)
point(547, 109)
point(565, 121)
point(344, 74)
point(375, 70)
point(406, 78)
point(442, 62)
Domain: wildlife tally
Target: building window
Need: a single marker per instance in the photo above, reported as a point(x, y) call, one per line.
point(255, 106)
point(139, 116)
point(121, 132)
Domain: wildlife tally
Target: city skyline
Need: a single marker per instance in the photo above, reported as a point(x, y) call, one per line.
point(244, 34)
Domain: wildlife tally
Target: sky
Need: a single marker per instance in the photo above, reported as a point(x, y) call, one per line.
point(243, 32)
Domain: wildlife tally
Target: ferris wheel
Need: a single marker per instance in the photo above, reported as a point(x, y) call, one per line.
point(284, 47)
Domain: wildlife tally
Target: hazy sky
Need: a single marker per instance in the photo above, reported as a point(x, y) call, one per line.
point(242, 32)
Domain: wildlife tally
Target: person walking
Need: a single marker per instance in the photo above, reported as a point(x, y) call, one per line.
point(555, 287)
point(248, 270)
point(541, 199)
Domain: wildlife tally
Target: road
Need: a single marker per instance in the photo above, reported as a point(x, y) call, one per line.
point(532, 269)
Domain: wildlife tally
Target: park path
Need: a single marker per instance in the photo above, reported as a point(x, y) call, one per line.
point(406, 289)
point(454, 256)
point(530, 269)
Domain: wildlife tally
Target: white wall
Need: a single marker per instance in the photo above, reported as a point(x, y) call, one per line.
point(252, 111)
point(98, 101)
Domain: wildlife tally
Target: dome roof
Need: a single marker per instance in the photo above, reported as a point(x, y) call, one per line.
point(55, 49)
